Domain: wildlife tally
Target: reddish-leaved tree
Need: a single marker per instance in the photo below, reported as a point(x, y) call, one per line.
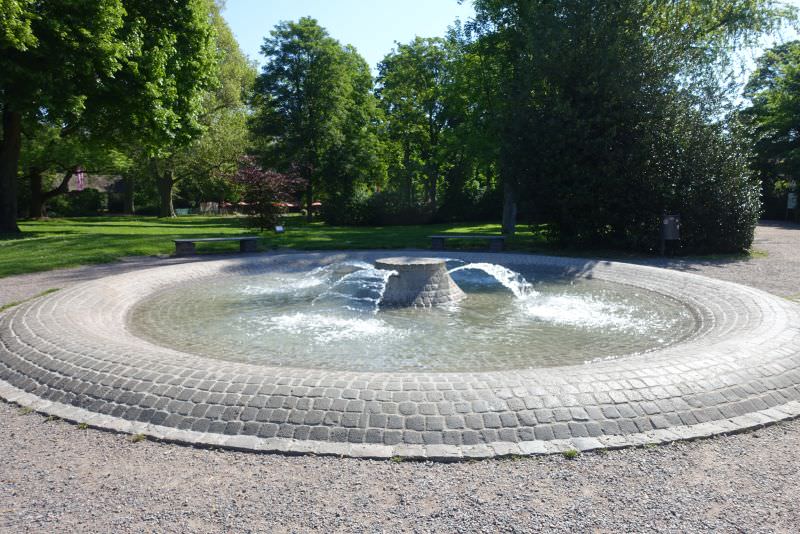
point(266, 192)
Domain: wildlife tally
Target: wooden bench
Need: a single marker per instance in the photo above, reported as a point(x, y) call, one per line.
point(185, 247)
point(496, 242)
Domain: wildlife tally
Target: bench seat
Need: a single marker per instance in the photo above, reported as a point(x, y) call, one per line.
point(496, 242)
point(186, 246)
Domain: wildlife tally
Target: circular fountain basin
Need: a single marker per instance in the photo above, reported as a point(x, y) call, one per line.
point(336, 317)
point(91, 354)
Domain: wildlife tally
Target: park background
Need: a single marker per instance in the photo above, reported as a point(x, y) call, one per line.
point(569, 126)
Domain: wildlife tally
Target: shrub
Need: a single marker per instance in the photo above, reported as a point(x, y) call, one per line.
point(264, 192)
point(78, 203)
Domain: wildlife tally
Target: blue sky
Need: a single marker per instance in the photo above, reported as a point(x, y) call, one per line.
point(372, 26)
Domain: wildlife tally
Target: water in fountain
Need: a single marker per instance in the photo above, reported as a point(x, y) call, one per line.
point(330, 317)
point(325, 275)
point(360, 289)
point(512, 280)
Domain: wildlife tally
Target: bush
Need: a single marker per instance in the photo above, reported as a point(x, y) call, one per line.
point(264, 192)
point(78, 203)
point(384, 208)
point(684, 165)
point(718, 196)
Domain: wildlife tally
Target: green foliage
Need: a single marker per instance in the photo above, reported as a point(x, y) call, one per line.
point(79, 203)
point(131, 71)
point(774, 116)
point(15, 24)
point(610, 114)
point(571, 454)
point(411, 85)
point(205, 165)
point(434, 96)
point(314, 112)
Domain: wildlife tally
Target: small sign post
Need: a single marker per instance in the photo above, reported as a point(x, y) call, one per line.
point(670, 230)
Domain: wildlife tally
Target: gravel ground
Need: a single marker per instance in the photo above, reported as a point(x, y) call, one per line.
point(57, 477)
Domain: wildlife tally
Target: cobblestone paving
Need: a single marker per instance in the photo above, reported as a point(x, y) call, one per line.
point(69, 354)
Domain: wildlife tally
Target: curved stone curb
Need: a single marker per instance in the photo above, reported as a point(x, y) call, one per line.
point(71, 355)
point(437, 453)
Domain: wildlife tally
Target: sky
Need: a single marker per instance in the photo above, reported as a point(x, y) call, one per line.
point(372, 26)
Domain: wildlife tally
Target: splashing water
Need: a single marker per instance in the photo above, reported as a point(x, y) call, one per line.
point(268, 319)
point(322, 328)
point(359, 288)
point(512, 280)
point(325, 275)
point(587, 312)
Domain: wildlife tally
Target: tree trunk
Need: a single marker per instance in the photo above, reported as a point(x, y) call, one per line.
point(165, 182)
point(36, 189)
point(9, 161)
point(409, 178)
point(36, 206)
point(509, 208)
point(433, 181)
point(309, 200)
point(127, 200)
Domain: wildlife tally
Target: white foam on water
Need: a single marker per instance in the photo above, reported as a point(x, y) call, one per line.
point(325, 328)
point(365, 285)
point(585, 312)
point(512, 280)
point(325, 275)
point(282, 285)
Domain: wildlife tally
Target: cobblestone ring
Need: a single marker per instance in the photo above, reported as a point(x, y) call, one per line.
point(71, 355)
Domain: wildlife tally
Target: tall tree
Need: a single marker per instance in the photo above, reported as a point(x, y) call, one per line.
point(774, 113)
point(221, 140)
point(46, 153)
point(307, 97)
point(132, 69)
point(412, 84)
point(591, 98)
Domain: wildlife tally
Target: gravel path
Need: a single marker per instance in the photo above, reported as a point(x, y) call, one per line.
point(58, 477)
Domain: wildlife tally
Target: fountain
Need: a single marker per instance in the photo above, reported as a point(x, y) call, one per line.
point(418, 282)
point(356, 354)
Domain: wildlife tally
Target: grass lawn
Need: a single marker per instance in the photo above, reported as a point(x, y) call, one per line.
point(59, 243)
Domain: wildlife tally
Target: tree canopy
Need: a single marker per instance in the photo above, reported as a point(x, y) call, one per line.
point(131, 69)
point(774, 114)
point(314, 111)
point(592, 118)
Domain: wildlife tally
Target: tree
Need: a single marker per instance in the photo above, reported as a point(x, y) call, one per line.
point(265, 192)
point(206, 161)
point(127, 69)
point(412, 83)
point(774, 115)
point(314, 111)
point(596, 99)
point(45, 152)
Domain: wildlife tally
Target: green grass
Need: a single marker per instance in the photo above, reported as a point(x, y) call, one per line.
point(136, 438)
point(571, 454)
point(60, 243)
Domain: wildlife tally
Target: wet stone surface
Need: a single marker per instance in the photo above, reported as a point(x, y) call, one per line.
point(72, 355)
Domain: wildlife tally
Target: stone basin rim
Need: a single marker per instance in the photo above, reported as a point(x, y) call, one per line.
point(740, 371)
